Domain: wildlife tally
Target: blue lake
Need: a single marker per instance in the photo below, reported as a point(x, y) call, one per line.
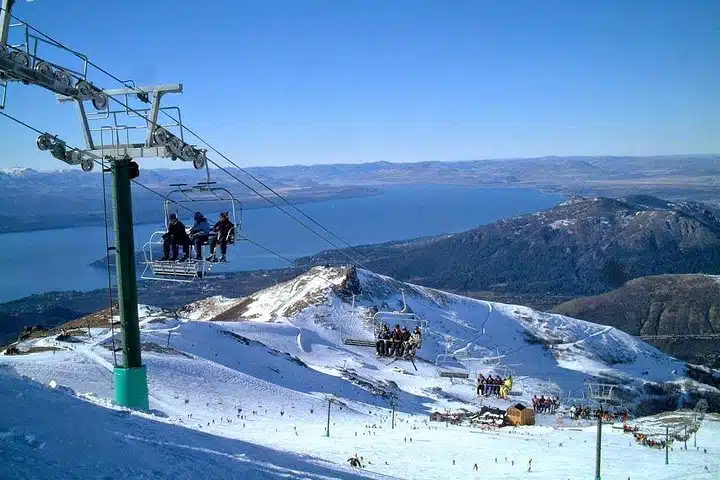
point(35, 262)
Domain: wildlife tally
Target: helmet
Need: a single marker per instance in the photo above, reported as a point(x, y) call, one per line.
point(198, 216)
point(173, 216)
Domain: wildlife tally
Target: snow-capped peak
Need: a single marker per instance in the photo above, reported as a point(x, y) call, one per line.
point(17, 171)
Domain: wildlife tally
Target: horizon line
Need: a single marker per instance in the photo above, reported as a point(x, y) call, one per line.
point(497, 159)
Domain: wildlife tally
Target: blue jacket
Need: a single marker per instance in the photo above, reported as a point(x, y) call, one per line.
point(201, 227)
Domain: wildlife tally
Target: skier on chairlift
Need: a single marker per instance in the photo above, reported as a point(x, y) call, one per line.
point(414, 343)
point(199, 233)
point(221, 233)
point(404, 339)
point(383, 344)
point(174, 238)
point(396, 344)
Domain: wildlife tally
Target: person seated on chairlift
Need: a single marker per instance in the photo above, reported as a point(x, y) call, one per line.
point(173, 238)
point(396, 343)
point(413, 343)
point(383, 344)
point(221, 233)
point(489, 382)
point(481, 382)
point(199, 233)
point(405, 339)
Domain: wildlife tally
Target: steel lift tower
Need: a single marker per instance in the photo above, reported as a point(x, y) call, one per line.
point(113, 137)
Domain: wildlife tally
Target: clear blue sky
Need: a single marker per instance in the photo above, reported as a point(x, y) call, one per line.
point(276, 82)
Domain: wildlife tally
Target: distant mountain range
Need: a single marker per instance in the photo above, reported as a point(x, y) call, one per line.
point(35, 200)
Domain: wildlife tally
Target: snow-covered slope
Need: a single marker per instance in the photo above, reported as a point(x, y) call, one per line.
point(260, 369)
point(548, 354)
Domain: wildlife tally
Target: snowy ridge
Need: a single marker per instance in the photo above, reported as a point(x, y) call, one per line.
point(242, 384)
point(530, 344)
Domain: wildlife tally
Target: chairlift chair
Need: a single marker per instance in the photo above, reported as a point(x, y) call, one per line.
point(504, 371)
point(602, 393)
point(404, 318)
point(356, 342)
point(448, 366)
point(182, 196)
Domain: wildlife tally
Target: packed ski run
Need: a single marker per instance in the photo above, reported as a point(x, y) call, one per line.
point(243, 387)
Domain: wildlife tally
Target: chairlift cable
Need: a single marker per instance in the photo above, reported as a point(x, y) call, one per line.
point(107, 242)
point(126, 83)
point(282, 257)
point(230, 174)
point(265, 185)
point(206, 143)
point(16, 120)
point(255, 191)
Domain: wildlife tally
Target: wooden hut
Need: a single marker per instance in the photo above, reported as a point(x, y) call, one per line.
point(519, 414)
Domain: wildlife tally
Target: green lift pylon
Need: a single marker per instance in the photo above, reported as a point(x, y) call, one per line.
point(131, 388)
point(72, 85)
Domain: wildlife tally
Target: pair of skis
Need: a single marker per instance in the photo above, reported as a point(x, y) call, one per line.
point(409, 358)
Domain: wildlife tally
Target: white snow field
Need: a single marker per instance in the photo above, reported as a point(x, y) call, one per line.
point(241, 392)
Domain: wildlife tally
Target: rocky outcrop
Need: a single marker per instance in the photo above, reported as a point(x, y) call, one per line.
point(663, 305)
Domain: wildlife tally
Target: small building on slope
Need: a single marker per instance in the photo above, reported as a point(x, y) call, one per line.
point(519, 414)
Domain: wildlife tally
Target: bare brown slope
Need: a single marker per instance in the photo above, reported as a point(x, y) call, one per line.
point(660, 305)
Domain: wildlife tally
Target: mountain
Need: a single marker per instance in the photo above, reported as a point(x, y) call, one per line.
point(661, 305)
point(680, 177)
point(579, 247)
point(309, 317)
point(243, 384)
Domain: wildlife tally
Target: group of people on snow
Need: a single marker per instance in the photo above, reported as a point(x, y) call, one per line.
point(545, 404)
point(493, 386)
point(643, 439)
point(199, 234)
point(398, 342)
point(586, 413)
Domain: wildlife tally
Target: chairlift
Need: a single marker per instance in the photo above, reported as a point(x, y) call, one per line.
point(356, 342)
point(448, 366)
point(602, 393)
point(404, 317)
point(183, 196)
point(503, 370)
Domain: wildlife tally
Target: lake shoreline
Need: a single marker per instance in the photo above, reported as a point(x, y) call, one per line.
point(357, 191)
point(66, 259)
